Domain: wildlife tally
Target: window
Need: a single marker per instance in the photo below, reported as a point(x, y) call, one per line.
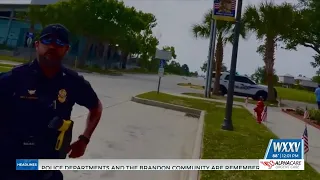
point(250, 81)
point(241, 79)
point(5, 14)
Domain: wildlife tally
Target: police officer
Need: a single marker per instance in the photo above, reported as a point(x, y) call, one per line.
point(31, 96)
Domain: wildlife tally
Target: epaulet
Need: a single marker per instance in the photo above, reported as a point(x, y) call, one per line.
point(72, 73)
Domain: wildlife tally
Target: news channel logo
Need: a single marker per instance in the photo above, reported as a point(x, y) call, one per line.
point(27, 164)
point(283, 154)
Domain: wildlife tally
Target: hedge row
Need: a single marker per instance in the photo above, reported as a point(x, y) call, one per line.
point(314, 114)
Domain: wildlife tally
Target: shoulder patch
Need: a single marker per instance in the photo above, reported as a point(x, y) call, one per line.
point(73, 75)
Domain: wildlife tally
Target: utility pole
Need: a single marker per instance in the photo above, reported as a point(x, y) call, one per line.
point(212, 46)
point(227, 122)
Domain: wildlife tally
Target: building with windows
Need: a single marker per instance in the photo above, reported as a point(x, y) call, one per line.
point(287, 80)
point(12, 31)
point(306, 82)
point(13, 35)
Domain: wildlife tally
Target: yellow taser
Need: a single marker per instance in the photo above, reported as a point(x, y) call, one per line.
point(63, 129)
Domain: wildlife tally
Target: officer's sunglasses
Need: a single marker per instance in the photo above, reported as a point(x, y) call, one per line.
point(50, 40)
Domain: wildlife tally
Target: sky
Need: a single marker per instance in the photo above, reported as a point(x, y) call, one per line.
point(175, 18)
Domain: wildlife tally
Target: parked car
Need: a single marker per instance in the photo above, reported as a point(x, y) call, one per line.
point(243, 86)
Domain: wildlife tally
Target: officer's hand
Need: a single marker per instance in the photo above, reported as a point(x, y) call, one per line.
point(77, 149)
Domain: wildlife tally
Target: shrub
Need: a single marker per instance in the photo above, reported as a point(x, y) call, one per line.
point(5, 47)
point(300, 111)
point(314, 114)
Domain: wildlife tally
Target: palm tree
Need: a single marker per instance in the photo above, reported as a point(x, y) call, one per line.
point(224, 35)
point(268, 21)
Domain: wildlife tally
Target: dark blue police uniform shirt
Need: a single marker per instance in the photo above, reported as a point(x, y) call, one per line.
point(29, 100)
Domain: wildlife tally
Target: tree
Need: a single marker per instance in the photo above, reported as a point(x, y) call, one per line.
point(174, 67)
point(131, 41)
point(84, 18)
point(269, 21)
point(195, 74)
point(35, 15)
point(106, 25)
point(147, 52)
point(305, 29)
point(224, 35)
point(185, 69)
point(204, 67)
point(316, 79)
point(260, 76)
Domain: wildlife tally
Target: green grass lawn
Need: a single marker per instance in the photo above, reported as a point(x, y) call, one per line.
point(14, 59)
point(249, 140)
point(237, 99)
point(296, 95)
point(191, 85)
point(5, 67)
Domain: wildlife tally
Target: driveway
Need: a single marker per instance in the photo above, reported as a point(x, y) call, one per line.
point(131, 130)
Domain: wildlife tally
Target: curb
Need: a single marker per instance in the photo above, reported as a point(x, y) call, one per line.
point(192, 111)
point(115, 74)
point(197, 148)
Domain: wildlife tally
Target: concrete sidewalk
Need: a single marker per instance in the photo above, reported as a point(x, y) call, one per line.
point(286, 126)
point(130, 130)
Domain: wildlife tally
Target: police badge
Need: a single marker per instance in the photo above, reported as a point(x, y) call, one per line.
point(62, 95)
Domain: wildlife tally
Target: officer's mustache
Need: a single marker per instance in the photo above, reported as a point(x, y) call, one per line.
point(50, 58)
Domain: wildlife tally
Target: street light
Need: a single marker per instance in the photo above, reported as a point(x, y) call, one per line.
point(227, 122)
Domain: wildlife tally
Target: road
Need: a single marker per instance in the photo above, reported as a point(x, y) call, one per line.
point(131, 130)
